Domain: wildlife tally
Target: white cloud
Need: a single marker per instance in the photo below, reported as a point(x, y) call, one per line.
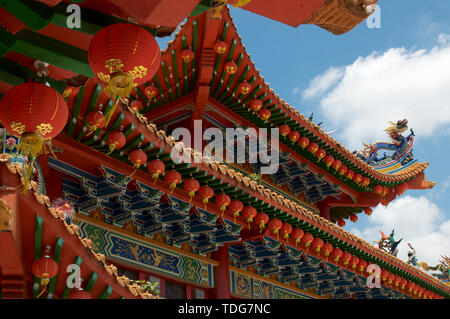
point(418, 221)
point(323, 83)
point(388, 86)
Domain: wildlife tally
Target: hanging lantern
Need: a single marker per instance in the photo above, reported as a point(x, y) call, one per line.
point(357, 178)
point(297, 235)
point(222, 200)
point(275, 226)
point(79, 294)
point(95, 120)
point(249, 213)
point(220, 47)
point(35, 113)
point(397, 281)
point(191, 186)
point(403, 283)
point(368, 211)
point(385, 191)
point(341, 222)
point(345, 259)
point(350, 174)
point(230, 67)
point(123, 55)
point(261, 219)
point(256, 105)
point(343, 170)
point(303, 142)
point(45, 269)
point(173, 178)
point(354, 218)
point(294, 136)
point(365, 181)
point(137, 158)
point(336, 254)
point(378, 189)
point(313, 148)
point(354, 261)
point(156, 167)
point(284, 130)
point(187, 55)
point(327, 249)
point(384, 275)
point(116, 140)
point(317, 244)
point(264, 115)
point(136, 105)
point(328, 160)
point(151, 91)
point(307, 239)
point(320, 154)
point(286, 230)
point(236, 207)
point(391, 278)
point(70, 91)
point(205, 193)
point(362, 265)
point(244, 87)
point(336, 165)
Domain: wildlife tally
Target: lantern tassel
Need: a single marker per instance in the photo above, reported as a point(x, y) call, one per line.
point(40, 294)
point(31, 144)
point(110, 113)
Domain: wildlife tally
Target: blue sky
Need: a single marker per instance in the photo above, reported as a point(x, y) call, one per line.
point(368, 77)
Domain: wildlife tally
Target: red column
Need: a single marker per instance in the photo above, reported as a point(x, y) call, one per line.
point(221, 275)
point(324, 209)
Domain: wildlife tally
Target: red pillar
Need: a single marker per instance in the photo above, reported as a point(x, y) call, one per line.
point(221, 275)
point(324, 209)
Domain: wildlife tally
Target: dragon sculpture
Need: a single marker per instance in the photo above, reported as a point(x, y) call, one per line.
point(388, 243)
point(401, 147)
point(443, 267)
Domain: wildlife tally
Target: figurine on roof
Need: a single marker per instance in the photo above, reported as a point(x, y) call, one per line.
point(388, 243)
point(443, 267)
point(412, 260)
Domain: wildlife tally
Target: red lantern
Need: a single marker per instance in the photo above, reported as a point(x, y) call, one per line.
point(336, 165)
point(275, 226)
point(137, 158)
point(336, 254)
point(357, 178)
point(350, 174)
point(45, 269)
point(123, 55)
point(249, 213)
point(307, 240)
point(79, 294)
point(354, 218)
point(116, 140)
point(384, 275)
point(261, 219)
point(354, 261)
point(264, 115)
point(151, 91)
point(205, 193)
point(220, 47)
point(35, 113)
point(317, 244)
point(284, 130)
point(403, 283)
point(95, 120)
point(365, 181)
point(173, 178)
point(313, 148)
point(191, 186)
point(385, 191)
point(236, 207)
point(378, 189)
point(136, 105)
point(391, 278)
point(327, 249)
point(343, 170)
point(285, 230)
point(156, 168)
point(368, 211)
point(244, 88)
point(187, 55)
point(397, 280)
point(297, 235)
point(294, 136)
point(230, 67)
point(256, 105)
point(70, 91)
point(362, 265)
point(328, 160)
point(320, 154)
point(222, 200)
point(341, 222)
point(303, 142)
point(345, 259)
